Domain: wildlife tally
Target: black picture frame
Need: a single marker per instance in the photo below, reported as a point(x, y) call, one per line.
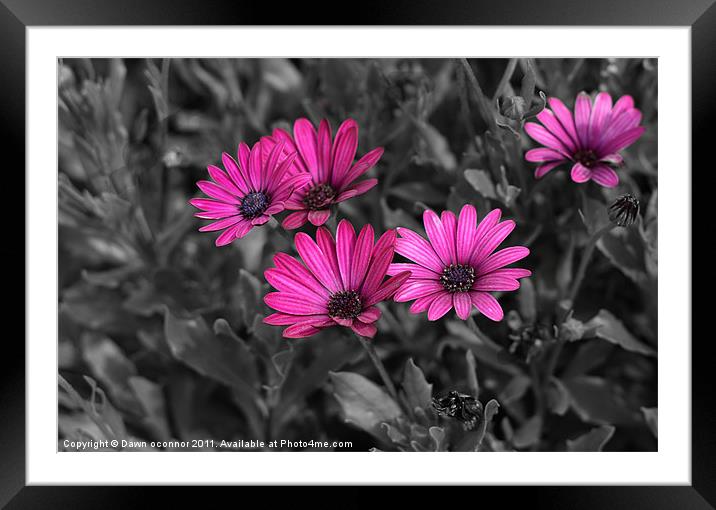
point(17, 15)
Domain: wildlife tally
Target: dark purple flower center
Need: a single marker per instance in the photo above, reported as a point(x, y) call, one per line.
point(345, 305)
point(586, 157)
point(319, 197)
point(458, 278)
point(253, 205)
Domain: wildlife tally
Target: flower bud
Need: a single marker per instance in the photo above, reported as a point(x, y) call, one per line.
point(624, 210)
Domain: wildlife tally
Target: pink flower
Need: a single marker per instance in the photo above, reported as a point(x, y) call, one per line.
point(457, 267)
point(330, 164)
point(255, 189)
point(591, 140)
point(339, 282)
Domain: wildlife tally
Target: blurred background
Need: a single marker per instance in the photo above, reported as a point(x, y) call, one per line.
point(160, 332)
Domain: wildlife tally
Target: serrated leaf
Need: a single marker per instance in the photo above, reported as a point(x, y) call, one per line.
point(607, 327)
point(594, 401)
point(625, 249)
point(219, 357)
point(364, 404)
point(482, 182)
point(592, 441)
point(112, 368)
point(417, 389)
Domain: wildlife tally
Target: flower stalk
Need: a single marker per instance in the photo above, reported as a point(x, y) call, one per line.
point(378, 364)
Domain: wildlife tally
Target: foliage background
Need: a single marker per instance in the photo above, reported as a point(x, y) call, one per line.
point(160, 333)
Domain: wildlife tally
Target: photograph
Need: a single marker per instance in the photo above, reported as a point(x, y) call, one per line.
point(357, 254)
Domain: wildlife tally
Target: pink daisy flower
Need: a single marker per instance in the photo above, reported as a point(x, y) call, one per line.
point(330, 165)
point(338, 284)
point(590, 141)
point(457, 268)
point(255, 189)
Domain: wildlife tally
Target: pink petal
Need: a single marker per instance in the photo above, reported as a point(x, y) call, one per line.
point(291, 266)
point(275, 208)
point(417, 249)
point(324, 150)
point(613, 159)
point(295, 304)
point(307, 144)
point(221, 224)
point(224, 181)
point(387, 289)
point(345, 246)
point(217, 192)
point(316, 262)
point(440, 306)
point(244, 154)
point(355, 190)
point(582, 111)
point(260, 220)
point(290, 284)
point(605, 176)
point(255, 163)
point(463, 304)
point(502, 258)
point(600, 115)
point(549, 120)
point(269, 167)
point(282, 319)
point(300, 331)
point(618, 125)
point(365, 330)
point(542, 135)
point(494, 283)
point(414, 289)
point(344, 151)
point(512, 272)
point(465, 235)
point(380, 260)
point(228, 236)
point(565, 117)
point(362, 166)
point(423, 303)
point(318, 218)
point(491, 241)
point(370, 314)
point(623, 140)
point(327, 244)
point(438, 236)
point(487, 224)
point(542, 170)
point(280, 177)
point(243, 228)
point(214, 215)
point(238, 175)
point(213, 205)
point(542, 154)
point(417, 271)
point(449, 222)
point(623, 104)
point(581, 173)
point(361, 256)
point(487, 304)
point(295, 220)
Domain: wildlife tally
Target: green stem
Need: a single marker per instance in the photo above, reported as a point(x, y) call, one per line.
point(373, 355)
point(584, 262)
